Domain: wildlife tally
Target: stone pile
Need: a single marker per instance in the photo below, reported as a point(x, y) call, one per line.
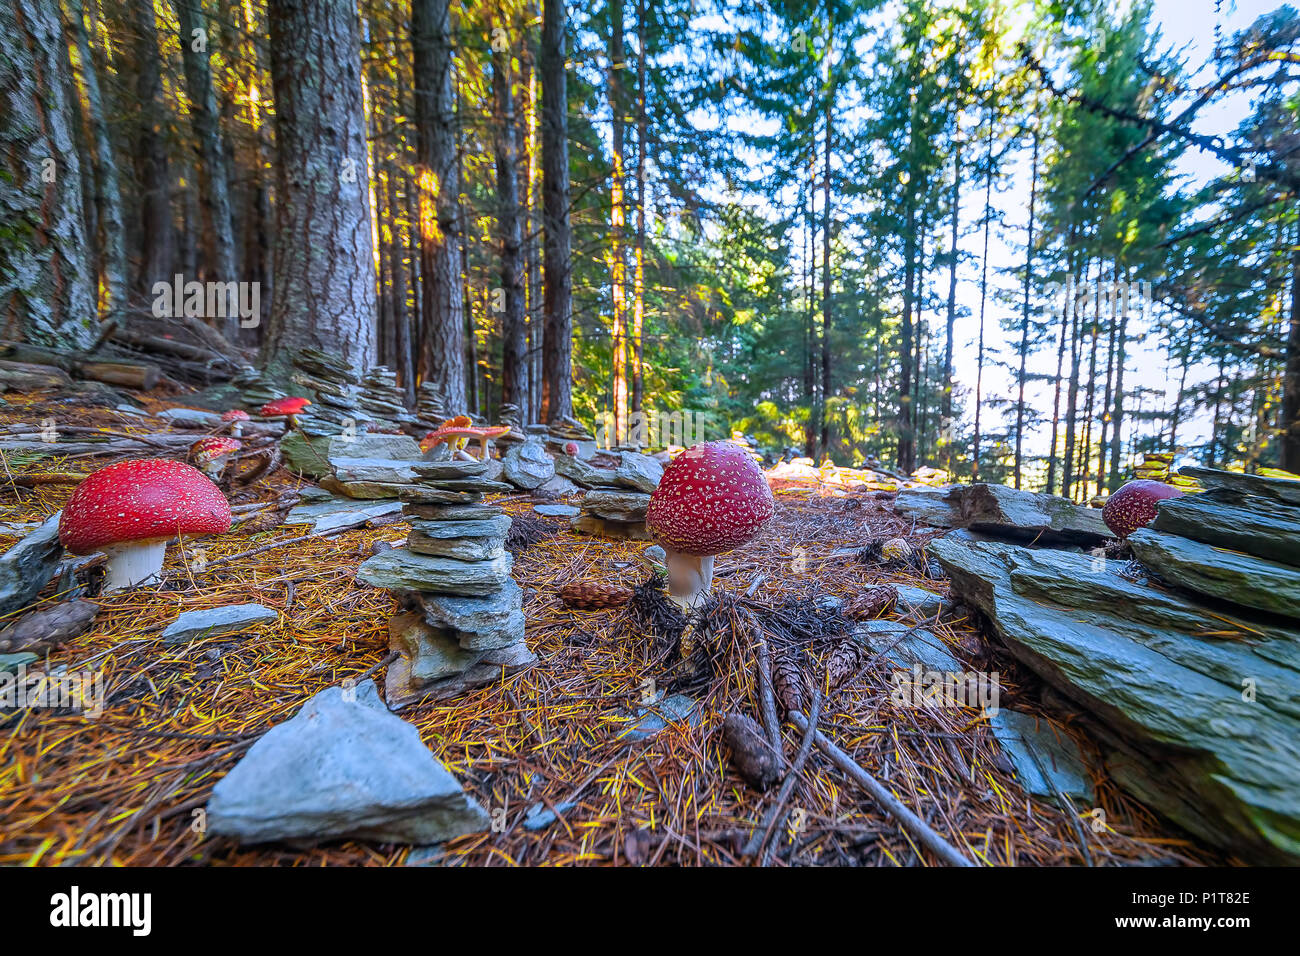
point(255, 389)
point(430, 410)
point(560, 433)
point(382, 399)
point(617, 498)
point(460, 623)
point(335, 407)
point(509, 414)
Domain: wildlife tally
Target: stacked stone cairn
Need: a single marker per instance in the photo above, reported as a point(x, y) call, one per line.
point(559, 434)
point(430, 410)
point(382, 399)
point(617, 498)
point(255, 389)
point(335, 407)
point(460, 622)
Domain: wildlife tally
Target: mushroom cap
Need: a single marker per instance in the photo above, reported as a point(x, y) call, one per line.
point(208, 449)
point(235, 415)
point(448, 430)
point(284, 406)
point(571, 449)
point(138, 499)
point(1133, 506)
point(711, 499)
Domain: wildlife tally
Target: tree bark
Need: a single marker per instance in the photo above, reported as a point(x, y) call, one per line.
point(1290, 437)
point(1024, 317)
point(825, 442)
point(946, 423)
point(151, 157)
point(324, 293)
point(617, 220)
point(108, 195)
point(46, 278)
point(441, 264)
point(210, 149)
point(984, 284)
point(514, 333)
point(557, 395)
point(638, 281)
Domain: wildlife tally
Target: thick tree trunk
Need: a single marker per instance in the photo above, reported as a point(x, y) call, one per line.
point(514, 333)
point(46, 278)
point(108, 195)
point(324, 293)
point(1117, 425)
point(810, 312)
point(439, 180)
point(825, 442)
point(984, 285)
point(151, 157)
point(557, 394)
point(210, 149)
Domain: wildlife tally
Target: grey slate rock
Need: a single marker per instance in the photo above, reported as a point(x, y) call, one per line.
point(616, 505)
point(449, 469)
point(373, 469)
point(577, 470)
point(217, 622)
point(399, 569)
point(556, 487)
point(639, 471)
point(1227, 518)
point(1278, 489)
point(29, 564)
point(527, 465)
point(652, 718)
point(1045, 762)
point(368, 445)
point(342, 769)
point(557, 511)
point(1007, 512)
point(908, 646)
point(335, 512)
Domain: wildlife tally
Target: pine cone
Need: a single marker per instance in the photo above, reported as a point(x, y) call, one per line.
point(751, 754)
point(871, 603)
point(591, 596)
point(843, 662)
point(787, 683)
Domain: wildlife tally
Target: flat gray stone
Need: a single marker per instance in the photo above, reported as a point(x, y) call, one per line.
point(429, 495)
point(1227, 518)
point(433, 653)
point(342, 769)
point(478, 623)
point(399, 569)
point(29, 564)
point(652, 718)
point(639, 471)
point(1279, 489)
point(461, 549)
point(577, 470)
point(325, 516)
point(492, 527)
point(908, 646)
point(1007, 512)
point(402, 689)
point(1045, 761)
point(373, 469)
point(189, 417)
point(556, 487)
point(453, 512)
point(370, 446)
point(217, 622)
point(527, 465)
point(604, 527)
point(1228, 575)
point(919, 602)
point(557, 511)
point(450, 469)
point(9, 663)
point(616, 505)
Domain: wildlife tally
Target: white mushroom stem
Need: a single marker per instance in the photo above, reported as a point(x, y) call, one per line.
point(690, 577)
point(133, 562)
point(214, 467)
point(237, 428)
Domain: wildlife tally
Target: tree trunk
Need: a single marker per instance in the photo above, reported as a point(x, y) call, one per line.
point(108, 196)
point(324, 294)
point(1117, 424)
point(557, 394)
point(46, 278)
point(810, 312)
point(984, 285)
point(443, 348)
point(1024, 317)
point(514, 333)
point(210, 149)
point(151, 157)
point(1290, 437)
point(826, 279)
point(638, 280)
point(946, 423)
point(617, 219)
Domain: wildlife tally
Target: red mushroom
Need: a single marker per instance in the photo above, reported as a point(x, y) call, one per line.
point(286, 408)
point(236, 418)
point(571, 449)
point(712, 498)
point(450, 433)
point(130, 510)
point(211, 454)
point(1134, 505)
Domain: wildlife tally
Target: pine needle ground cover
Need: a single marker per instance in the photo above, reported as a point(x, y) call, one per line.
point(551, 752)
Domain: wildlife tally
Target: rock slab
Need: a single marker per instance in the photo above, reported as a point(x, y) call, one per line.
point(217, 622)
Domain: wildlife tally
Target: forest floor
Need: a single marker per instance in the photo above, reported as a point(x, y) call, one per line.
point(123, 788)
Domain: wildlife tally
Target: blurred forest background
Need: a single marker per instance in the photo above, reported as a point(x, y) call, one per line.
point(759, 213)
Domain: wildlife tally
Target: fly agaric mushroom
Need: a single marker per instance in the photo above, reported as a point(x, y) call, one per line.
point(211, 454)
point(286, 408)
point(130, 510)
point(1134, 505)
point(236, 418)
point(712, 498)
point(571, 449)
point(451, 432)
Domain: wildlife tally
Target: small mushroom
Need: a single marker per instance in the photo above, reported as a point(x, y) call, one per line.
point(1133, 506)
point(712, 498)
point(287, 408)
point(236, 418)
point(131, 509)
point(454, 433)
point(212, 454)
